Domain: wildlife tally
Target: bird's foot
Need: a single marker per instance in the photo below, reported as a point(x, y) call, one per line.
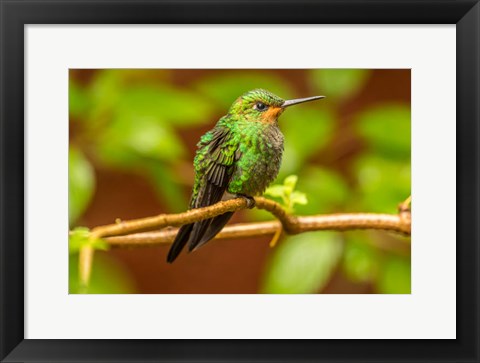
point(250, 200)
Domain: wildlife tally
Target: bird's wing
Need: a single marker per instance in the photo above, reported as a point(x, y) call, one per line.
point(214, 167)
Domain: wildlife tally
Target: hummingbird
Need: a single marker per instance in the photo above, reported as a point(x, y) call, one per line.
point(239, 157)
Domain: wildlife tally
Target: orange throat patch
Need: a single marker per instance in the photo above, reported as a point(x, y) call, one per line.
point(271, 115)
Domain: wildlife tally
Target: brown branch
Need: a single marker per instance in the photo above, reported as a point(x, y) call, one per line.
point(122, 234)
point(193, 215)
point(333, 222)
point(166, 236)
point(290, 224)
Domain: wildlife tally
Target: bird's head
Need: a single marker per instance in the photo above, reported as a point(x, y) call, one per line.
point(263, 106)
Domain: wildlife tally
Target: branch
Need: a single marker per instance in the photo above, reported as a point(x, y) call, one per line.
point(193, 215)
point(85, 261)
point(124, 233)
point(399, 223)
point(333, 222)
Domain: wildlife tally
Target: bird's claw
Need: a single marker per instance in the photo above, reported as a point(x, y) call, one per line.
point(250, 201)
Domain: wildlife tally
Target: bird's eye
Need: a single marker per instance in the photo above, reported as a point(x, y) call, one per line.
point(260, 106)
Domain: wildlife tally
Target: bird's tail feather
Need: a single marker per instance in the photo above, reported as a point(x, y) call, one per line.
point(180, 241)
point(214, 226)
point(198, 234)
point(198, 231)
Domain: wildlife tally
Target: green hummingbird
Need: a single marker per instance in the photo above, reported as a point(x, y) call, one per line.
point(239, 157)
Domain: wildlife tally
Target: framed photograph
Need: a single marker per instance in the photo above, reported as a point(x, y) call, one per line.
point(240, 181)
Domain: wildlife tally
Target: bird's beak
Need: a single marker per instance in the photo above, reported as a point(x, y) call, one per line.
point(296, 101)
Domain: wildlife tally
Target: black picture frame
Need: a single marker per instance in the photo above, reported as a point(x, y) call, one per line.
point(15, 14)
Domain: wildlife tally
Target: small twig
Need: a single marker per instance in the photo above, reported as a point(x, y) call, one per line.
point(404, 210)
point(85, 262)
point(276, 237)
point(405, 206)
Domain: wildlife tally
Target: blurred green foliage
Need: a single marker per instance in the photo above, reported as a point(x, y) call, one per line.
point(306, 133)
point(109, 276)
point(393, 278)
point(385, 128)
point(361, 262)
point(333, 190)
point(81, 183)
point(339, 83)
point(302, 264)
point(225, 87)
point(136, 121)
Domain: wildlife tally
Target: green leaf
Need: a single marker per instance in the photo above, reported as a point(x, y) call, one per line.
point(276, 191)
point(289, 197)
point(226, 87)
point(298, 198)
point(395, 277)
point(387, 130)
point(80, 237)
point(339, 83)
point(302, 264)
point(100, 244)
point(290, 182)
point(109, 276)
point(77, 238)
point(81, 184)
